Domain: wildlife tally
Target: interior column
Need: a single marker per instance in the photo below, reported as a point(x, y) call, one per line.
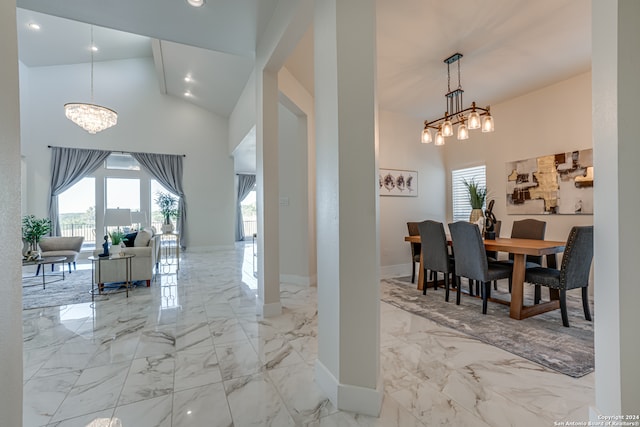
point(267, 195)
point(11, 301)
point(347, 368)
point(616, 90)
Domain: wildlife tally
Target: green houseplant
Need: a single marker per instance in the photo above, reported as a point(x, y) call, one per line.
point(477, 197)
point(168, 204)
point(33, 229)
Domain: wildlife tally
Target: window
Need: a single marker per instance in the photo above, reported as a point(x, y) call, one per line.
point(459, 193)
point(121, 161)
point(78, 212)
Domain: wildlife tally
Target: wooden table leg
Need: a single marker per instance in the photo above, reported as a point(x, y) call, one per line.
point(517, 285)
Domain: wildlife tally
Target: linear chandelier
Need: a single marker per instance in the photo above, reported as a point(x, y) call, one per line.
point(91, 117)
point(455, 113)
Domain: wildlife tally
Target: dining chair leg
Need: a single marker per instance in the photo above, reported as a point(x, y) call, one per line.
point(537, 294)
point(495, 285)
point(413, 272)
point(426, 282)
point(471, 287)
point(458, 287)
point(585, 304)
point(563, 307)
point(510, 283)
point(446, 287)
point(484, 289)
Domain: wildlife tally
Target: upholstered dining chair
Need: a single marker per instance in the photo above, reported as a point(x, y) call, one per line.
point(527, 229)
point(412, 227)
point(471, 260)
point(573, 273)
point(435, 257)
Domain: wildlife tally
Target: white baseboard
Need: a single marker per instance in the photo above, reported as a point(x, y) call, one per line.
point(268, 310)
point(350, 398)
point(294, 279)
point(399, 270)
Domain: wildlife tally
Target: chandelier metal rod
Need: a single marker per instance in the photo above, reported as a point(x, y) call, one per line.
point(457, 117)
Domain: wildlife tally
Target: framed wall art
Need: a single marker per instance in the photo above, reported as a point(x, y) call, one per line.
point(555, 184)
point(397, 182)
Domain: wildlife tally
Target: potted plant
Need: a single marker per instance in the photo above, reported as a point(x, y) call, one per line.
point(168, 204)
point(117, 239)
point(33, 229)
point(477, 196)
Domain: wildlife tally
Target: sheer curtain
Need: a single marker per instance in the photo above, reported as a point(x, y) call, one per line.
point(245, 185)
point(68, 166)
point(167, 170)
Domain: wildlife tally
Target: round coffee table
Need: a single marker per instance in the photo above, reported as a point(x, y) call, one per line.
point(43, 261)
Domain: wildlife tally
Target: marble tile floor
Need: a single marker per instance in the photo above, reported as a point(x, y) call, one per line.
point(190, 351)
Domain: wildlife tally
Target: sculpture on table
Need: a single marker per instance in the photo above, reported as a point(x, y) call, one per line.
point(105, 247)
point(489, 222)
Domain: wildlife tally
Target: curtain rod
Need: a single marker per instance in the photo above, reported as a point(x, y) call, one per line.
point(121, 152)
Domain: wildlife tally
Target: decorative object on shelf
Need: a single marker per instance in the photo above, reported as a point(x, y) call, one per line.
point(477, 196)
point(33, 229)
point(168, 204)
point(89, 116)
point(560, 183)
point(396, 182)
point(455, 113)
point(105, 247)
point(117, 242)
point(489, 222)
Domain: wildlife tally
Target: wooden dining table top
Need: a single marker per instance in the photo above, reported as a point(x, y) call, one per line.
point(519, 246)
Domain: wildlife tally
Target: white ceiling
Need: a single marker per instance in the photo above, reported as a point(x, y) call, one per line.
point(510, 47)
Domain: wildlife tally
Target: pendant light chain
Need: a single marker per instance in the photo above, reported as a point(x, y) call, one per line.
point(91, 49)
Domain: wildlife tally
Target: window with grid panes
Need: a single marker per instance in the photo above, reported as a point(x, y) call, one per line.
point(459, 192)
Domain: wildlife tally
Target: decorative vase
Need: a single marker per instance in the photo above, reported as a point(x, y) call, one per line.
point(167, 227)
point(475, 215)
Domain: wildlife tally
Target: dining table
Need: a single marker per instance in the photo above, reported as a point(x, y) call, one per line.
point(520, 248)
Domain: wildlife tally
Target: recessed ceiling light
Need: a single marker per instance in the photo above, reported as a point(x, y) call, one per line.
point(188, 94)
point(188, 78)
point(94, 48)
point(196, 3)
point(34, 26)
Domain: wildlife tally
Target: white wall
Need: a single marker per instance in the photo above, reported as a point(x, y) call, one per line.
point(294, 242)
point(547, 121)
point(147, 122)
point(243, 117)
point(400, 148)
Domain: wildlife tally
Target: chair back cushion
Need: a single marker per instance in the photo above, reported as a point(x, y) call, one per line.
point(576, 261)
point(468, 250)
point(412, 227)
point(61, 243)
point(529, 229)
point(434, 242)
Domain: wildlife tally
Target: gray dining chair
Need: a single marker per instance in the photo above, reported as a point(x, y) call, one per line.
point(412, 227)
point(435, 256)
point(471, 260)
point(573, 273)
point(526, 229)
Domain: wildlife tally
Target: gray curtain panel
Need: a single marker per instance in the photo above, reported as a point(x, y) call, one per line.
point(167, 169)
point(245, 185)
point(68, 166)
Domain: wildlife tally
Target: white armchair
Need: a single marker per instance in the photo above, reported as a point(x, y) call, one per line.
point(145, 249)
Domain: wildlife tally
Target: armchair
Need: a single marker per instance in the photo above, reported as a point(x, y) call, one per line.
point(68, 247)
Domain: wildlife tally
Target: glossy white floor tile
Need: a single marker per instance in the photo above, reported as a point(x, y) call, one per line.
point(190, 351)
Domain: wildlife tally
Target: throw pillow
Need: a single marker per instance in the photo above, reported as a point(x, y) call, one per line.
point(131, 237)
point(142, 239)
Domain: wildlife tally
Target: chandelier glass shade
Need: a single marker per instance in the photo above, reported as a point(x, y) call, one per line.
point(477, 118)
point(91, 117)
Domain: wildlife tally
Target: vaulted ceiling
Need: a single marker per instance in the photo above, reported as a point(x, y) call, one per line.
point(510, 47)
